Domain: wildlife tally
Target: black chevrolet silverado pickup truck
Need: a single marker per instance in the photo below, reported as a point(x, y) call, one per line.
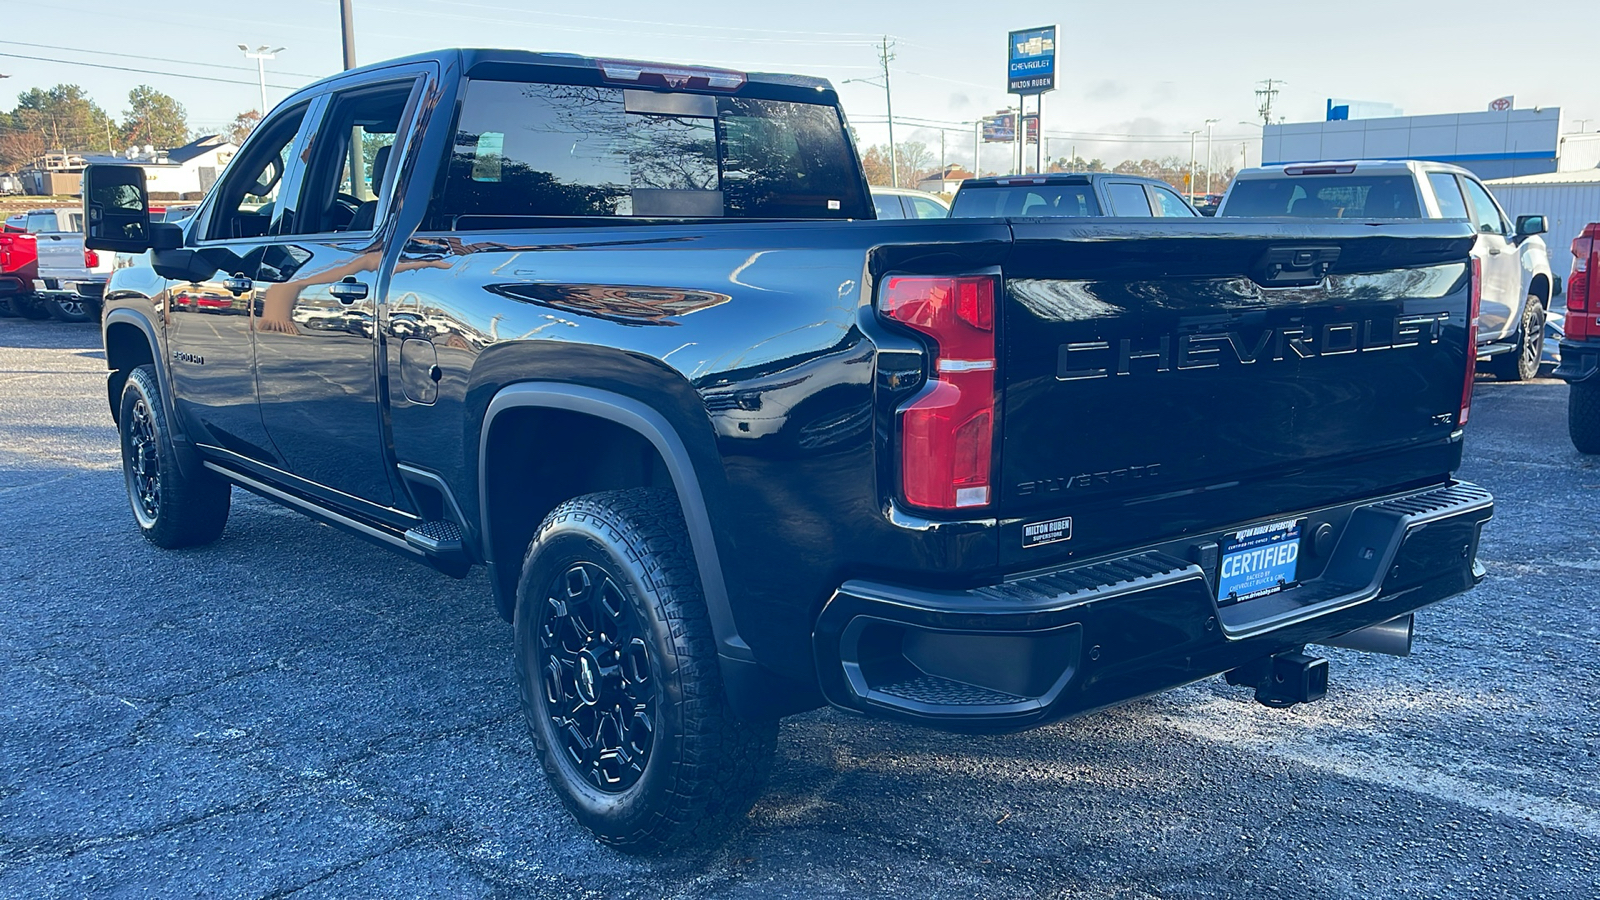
point(627, 335)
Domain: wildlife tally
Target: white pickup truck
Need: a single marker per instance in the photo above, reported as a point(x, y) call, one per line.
point(72, 278)
point(1517, 285)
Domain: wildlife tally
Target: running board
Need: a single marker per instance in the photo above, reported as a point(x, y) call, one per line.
point(453, 564)
point(1488, 350)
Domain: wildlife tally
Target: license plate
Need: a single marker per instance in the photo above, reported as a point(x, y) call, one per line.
point(1258, 561)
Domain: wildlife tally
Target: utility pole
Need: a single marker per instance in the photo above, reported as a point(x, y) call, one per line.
point(1209, 124)
point(885, 54)
point(261, 54)
point(347, 30)
point(1264, 97)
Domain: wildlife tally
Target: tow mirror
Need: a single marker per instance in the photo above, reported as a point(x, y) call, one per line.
point(1531, 225)
point(116, 209)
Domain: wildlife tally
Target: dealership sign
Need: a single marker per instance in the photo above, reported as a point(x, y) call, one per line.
point(1031, 55)
point(1502, 104)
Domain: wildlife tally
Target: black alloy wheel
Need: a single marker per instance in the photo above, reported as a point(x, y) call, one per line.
point(173, 509)
point(619, 680)
point(598, 683)
point(71, 308)
point(142, 462)
point(1522, 364)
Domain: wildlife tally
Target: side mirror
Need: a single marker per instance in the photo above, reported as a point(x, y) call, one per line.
point(1531, 225)
point(116, 209)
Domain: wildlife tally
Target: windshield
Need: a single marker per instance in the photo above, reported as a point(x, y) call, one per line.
point(985, 202)
point(537, 150)
point(1325, 197)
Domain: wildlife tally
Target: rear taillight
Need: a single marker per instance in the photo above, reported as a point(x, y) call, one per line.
point(947, 431)
point(90, 258)
point(1583, 286)
point(1472, 341)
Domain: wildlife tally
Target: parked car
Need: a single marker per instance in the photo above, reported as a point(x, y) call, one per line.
point(904, 203)
point(1517, 282)
point(72, 277)
point(732, 450)
point(17, 222)
point(1580, 344)
point(10, 184)
point(1075, 194)
point(19, 269)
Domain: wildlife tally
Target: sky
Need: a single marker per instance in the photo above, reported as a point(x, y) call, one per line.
point(1133, 77)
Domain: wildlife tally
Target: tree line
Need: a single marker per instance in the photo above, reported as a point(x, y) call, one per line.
point(65, 119)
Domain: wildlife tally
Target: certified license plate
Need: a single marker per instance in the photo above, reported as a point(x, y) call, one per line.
point(1258, 561)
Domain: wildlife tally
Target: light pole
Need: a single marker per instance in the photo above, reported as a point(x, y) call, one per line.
point(1191, 135)
point(261, 54)
point(1263, 142)
point(1209, 124)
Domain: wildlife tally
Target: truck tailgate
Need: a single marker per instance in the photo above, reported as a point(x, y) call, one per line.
point(61, 255)
point(1172, 377)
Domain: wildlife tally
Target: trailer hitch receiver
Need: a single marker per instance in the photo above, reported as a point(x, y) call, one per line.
point(1284, 679)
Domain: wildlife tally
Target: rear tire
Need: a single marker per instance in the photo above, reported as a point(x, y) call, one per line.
point(71, 308)
point(1522, 364)
point(1583, 416)
point(28, 307)
point(618, 676)
point(173, 509)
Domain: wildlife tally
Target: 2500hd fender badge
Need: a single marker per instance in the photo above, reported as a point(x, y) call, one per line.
point(194, 358)
point(1049, 532)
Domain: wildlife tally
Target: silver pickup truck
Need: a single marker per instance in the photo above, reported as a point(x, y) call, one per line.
point(1517, 285)
point(72, 278)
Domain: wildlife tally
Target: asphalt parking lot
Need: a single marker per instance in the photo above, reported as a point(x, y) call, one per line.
point(294, 712)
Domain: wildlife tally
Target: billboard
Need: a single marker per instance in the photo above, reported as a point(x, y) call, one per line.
point(1000, 128)
point(1031, 61)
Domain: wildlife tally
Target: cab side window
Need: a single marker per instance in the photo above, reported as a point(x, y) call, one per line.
point(927, 209)
point(1128, 199)
point(1168, 204)
point(888, 206)
point(1448, 192)
point(1484, 213)
point(248, 196)
point(350, 160)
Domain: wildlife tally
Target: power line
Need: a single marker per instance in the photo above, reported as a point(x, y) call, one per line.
point(435, 13)
point(160, 59)
point(864, 36)
point(285, 87)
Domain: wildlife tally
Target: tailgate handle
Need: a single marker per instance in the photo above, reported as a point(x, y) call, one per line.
point(1294, 266)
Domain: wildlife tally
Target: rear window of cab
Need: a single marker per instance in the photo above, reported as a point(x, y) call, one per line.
point(530, 150)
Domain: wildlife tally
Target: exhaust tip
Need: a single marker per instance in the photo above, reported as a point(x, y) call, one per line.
point(1392, 638)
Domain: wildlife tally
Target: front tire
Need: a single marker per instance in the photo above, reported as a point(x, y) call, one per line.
point(1583, 416)
point(1522, 364)
point(173, 510)
point(618, 677)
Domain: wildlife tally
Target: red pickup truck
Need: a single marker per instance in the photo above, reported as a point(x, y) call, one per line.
point(19, 266)
point(1580, 346)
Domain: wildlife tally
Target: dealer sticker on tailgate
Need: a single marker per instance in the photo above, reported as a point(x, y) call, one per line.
point(1257, 561)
